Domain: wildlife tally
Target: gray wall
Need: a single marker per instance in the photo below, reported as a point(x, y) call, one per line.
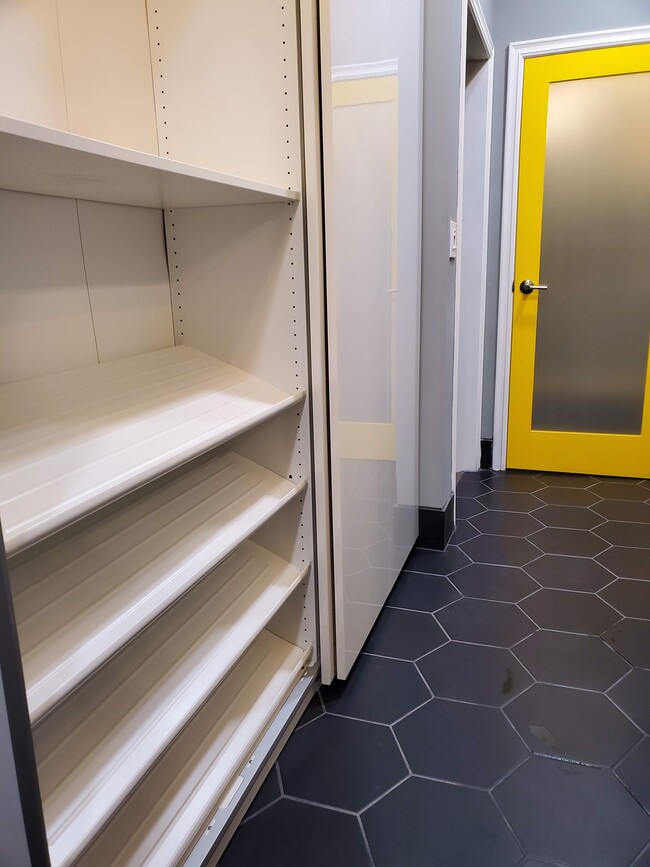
point(515, 21)
point(442, 48)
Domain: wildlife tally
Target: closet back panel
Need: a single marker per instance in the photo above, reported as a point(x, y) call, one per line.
point(238, 287)
point(107, 71)
point(45, 320)
point(31, 75)
point(126, 267)
point(199, 48)
point(81, 282)
point(81, 67)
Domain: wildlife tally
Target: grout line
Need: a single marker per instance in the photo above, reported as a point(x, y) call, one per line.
point(508, 825)
point(414, 709)
point(298, 800)
point(371, 861)
point(387, 792)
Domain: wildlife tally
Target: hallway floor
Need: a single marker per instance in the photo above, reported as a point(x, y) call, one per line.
point(500, 712)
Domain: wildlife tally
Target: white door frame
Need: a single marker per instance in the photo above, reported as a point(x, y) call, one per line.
point(468, 383)
point(518, 52)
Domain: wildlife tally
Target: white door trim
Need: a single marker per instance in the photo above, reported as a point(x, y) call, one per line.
point(473, 8)
point(518, 52)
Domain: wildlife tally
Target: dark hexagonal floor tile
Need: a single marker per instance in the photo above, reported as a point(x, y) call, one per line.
point(508, 501)
point(620, 491)
point(571, 517)
point(574, 543)
point(521, 483)
point(631, 638)
point(480, 622)
point(569, 612)
point(506, 523)
point(625, 534)
point(268, 792)
point(632, 695)
point(470, 488)
point(563, 659)
point(422, 822)
point(313, 710)
point(290, 834)
point(500, 550)
point(421, 592)
point(436, 562)
point(341, 762)
point(631, 598)
point(463, 531)
point(565, 480)
point(644, 859)
point(498, 583)
point(623, 510)
point(572, 724)
point(404, 634)
point(461, 743)
point(573, 814)
point(380, 690)
point(467, 507)
point(634, 771)
point(469, 672)
point(627, 562)
point(567, 497)
point(569, 573)
point(478, 475)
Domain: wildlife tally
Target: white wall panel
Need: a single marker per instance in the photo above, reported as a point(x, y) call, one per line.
point(199, 50)
point(128, 284)
point(107, 72)
point(45, 319)
point(31, 79)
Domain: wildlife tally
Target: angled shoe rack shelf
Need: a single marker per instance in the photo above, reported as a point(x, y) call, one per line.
point(155, 440)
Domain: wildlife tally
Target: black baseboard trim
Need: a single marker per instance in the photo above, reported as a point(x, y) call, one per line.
point(436, 526)
point(486, 454)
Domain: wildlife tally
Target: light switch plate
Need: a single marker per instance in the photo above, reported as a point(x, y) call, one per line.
point(453, 239)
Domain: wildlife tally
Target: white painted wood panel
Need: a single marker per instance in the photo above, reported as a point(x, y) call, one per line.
point(128, 282)
point(36, 159)
point(94, 749)
point(159, 823)
point(107, 72)
point(31, 77)
point(70, 443)
point(237, 279)
point(79, 599)
point(226, 86)
point(45, 318)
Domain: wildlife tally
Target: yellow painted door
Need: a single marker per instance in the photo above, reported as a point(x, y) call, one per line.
point(579, 368)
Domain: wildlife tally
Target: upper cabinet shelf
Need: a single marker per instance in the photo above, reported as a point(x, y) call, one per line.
point(38, 159)
point(72, 442)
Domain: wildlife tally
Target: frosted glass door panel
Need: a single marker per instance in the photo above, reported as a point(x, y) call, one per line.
point(372, 187)
point(593, 322)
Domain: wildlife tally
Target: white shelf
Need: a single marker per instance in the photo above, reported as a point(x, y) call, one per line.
point(172, 805)
point(72, 442)
point(81, 599)
point(94, 748)
point(38, 159)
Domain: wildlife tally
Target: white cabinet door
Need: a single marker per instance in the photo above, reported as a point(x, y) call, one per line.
point(372, 110)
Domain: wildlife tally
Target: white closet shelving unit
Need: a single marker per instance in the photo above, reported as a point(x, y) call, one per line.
point(159, 624)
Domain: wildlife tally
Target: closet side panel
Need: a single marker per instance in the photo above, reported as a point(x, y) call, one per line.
point(31, 77)
point(45, 319)
point(227, 86)
point(107, 72)
point(126, 268)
